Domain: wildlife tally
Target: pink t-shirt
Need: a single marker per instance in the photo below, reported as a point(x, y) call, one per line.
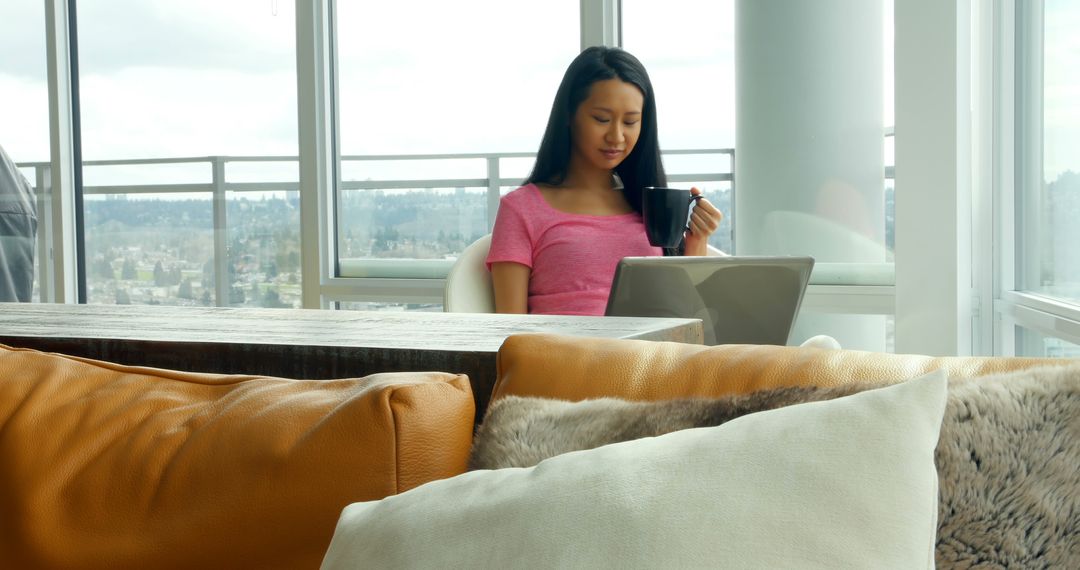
point(572, 256)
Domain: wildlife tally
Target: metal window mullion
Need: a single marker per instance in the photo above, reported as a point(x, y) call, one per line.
point(60, 178)
point(317, 148)
point(983, 101)
point(493, 191)
point(1048, 317)
point(1029, 132)
point(1028, 187)
point(1004, 200)
point(221, 235)
point(601, 23)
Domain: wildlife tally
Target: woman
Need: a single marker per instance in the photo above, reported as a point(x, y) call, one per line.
point(558, 238)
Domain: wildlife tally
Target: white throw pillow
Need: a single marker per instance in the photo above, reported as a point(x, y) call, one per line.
point(845, 483)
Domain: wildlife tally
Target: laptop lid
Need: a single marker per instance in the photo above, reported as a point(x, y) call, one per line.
point(740, 299)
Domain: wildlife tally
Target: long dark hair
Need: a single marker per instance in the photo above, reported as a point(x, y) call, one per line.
point(643, 166)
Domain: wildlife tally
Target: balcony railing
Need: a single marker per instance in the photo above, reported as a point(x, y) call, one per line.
point(249, 236)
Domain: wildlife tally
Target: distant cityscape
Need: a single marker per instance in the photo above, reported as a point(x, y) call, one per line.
point(149, 251)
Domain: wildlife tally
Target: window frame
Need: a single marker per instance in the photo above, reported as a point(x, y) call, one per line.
point(1018, 141)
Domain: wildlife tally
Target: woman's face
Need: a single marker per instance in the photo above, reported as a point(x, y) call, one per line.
point(607, 124)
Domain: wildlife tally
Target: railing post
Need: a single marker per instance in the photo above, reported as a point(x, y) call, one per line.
point(46, 287)
point(493, 195)
point(221, 236)
point(734, 218)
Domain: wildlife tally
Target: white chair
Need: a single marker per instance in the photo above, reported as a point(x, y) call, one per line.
point(468, 285)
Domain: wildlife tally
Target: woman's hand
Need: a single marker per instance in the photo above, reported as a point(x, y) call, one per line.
point(704, 221)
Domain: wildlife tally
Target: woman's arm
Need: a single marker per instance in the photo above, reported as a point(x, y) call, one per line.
point(511, 283)
point(704, 220)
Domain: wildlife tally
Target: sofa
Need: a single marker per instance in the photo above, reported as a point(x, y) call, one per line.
point(104, 465)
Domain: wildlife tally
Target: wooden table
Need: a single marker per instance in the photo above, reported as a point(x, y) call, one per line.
point(304, 343)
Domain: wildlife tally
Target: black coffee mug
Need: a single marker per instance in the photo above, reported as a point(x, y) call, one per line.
point(666, 212)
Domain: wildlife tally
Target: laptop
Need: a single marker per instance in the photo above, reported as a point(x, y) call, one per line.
point(740, 299)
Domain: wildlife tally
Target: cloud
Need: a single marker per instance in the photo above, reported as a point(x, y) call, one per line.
point(22, 40)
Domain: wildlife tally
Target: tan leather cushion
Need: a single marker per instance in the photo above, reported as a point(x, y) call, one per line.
point(108, 466)
point(577, 368)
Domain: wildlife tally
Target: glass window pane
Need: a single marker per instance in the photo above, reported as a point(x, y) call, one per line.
point(1035, 344)
point(414, 224)
point(264, 249)
point(688, 47)
point(24, 112)
point(155, 249)
point(410, 86)
point(160, 81)
point(1052, 234)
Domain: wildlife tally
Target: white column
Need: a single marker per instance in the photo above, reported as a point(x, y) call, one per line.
point(809, 141)
point(933, 177)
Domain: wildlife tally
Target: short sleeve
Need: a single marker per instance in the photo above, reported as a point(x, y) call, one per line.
point(510, 239)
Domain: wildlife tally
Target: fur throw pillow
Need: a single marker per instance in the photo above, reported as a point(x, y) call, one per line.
point(521, 432)
point(1008, 457)
point(1008, 462)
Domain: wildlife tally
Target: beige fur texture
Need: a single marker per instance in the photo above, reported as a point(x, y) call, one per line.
point(1008, 457)
point(1008, 464)
point(521, 432)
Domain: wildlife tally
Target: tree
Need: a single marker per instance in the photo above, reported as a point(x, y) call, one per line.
point(128, 271)
point(184, 292)
point(236, 296)
point(273, 300)
point(174, 275)
point(206, 300)
point(103, 269)
point(122, 297)
point(208, 273)
point(160, 279)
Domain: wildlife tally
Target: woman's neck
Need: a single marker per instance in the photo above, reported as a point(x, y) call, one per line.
point(584, 178)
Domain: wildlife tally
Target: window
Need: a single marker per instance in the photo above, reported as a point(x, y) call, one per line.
point(1040, 275)
point(1050, 197)
point(25, 110)
point(163, 85)
point(688, 47)
point(437, 103)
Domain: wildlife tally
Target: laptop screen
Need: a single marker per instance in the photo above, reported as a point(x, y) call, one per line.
point(740, 299)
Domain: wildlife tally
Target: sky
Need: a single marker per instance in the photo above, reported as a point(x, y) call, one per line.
point(200, 77)
point(162, 78)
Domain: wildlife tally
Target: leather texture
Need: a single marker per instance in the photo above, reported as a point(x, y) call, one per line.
point(646, 371)
point(109, 466)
